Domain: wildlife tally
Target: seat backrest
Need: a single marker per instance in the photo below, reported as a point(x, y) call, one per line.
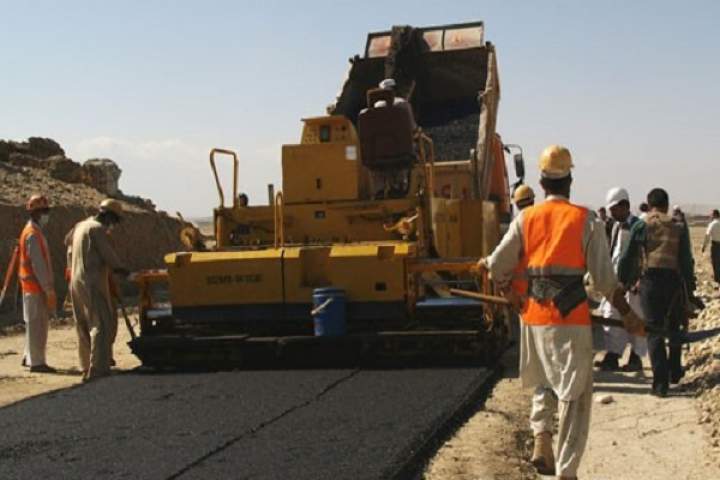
point(375, 95)
point(386, 134)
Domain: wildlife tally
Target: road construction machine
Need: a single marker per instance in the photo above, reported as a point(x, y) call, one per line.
point(387, 202)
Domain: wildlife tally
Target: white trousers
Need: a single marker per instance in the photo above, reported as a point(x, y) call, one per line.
point(574, 425)
point(37, 320)
point(616, 339)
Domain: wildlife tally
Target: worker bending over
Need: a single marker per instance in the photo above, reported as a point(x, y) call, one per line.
point(93, 260)
point(617, 338)
point(36, 281)
point(659, 255)
point(557, 243)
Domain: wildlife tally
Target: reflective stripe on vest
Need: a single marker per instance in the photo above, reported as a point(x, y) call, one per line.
point(28, 281)
point(552, 244)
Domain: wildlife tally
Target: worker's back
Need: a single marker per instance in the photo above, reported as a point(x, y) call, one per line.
point(553, 233)
point(662, 241)
point(88, 266)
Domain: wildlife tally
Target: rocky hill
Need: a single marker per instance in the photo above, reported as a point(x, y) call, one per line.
point(39, 165)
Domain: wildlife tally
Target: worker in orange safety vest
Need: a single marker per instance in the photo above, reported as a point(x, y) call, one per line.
point(36, 280)
point(557, 243)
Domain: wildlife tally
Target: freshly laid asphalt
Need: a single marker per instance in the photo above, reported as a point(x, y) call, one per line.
point(299, 424)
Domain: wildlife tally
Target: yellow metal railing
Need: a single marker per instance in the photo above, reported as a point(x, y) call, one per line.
point(279, 220)
point(217, 178)
point(425, 146)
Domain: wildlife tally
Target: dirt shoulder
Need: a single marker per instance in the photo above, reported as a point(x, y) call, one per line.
point(641, 436)
point(17, 383)
point(496, 442)
point(634, 436)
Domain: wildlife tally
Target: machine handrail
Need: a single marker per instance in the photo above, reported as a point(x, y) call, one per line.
point(428, 163)
point(279, 220)
point(217, 179)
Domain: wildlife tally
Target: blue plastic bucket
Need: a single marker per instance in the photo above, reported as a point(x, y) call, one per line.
point(329, 312)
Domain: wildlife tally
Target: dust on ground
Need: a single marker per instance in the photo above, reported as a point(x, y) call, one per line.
point(634, 436)
point(496, 442)
point(16, 381)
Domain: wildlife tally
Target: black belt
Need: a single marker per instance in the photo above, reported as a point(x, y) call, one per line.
point(565, 291)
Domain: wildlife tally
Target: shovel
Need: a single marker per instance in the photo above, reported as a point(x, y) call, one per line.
point(9, 273)
point(124, 314)
point(679, 337)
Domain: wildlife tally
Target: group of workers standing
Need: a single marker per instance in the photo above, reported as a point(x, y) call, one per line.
point(90, 264)
point(552, 254)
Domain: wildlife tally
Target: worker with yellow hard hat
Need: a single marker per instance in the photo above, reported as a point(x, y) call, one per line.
point(92, 261)
point(556, 243)
point(523, 197)
point(36, 281)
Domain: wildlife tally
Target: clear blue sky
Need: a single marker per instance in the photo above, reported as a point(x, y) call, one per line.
point(631, 87)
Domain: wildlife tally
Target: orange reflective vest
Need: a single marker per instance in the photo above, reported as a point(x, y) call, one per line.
point(28, 280)
point(519, 284)
point(553, 250)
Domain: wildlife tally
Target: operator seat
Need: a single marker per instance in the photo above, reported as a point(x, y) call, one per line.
point(386, 132)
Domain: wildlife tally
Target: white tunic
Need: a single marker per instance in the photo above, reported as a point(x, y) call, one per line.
point(559, 357)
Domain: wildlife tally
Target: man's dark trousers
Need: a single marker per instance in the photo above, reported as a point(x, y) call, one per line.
point(662, 300)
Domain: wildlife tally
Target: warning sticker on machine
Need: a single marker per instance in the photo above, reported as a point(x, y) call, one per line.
point(237, 278)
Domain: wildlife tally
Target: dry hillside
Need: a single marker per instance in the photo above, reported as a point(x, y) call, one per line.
point(75, 191)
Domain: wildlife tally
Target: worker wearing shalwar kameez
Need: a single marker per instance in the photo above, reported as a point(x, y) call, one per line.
point(559, 242)
point(93, 258)
point(36, 280)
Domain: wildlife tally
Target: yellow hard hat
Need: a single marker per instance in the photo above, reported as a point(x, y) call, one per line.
point(111, 205)
point(523, 193)
point(37, 202)
point(555, 162)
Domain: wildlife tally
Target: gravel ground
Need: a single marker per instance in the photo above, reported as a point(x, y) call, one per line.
point(703, 358)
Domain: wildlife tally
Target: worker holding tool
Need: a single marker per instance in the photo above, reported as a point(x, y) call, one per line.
point(558, 242)
point(523, 197)
point(712, 237)
point(659, 254)
point(36, 280)
point(617, 338)
point(93, 260)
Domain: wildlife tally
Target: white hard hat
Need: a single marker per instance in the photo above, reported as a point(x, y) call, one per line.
point(387, 84)
point(616, 195)
point(676, 208)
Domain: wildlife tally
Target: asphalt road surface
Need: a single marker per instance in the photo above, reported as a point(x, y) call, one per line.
point(300, 424)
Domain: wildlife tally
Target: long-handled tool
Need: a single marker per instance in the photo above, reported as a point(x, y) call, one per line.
point(480, 296)
point(10, 273)
point(125, 317)
point(680, 337)
point(116, 293)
